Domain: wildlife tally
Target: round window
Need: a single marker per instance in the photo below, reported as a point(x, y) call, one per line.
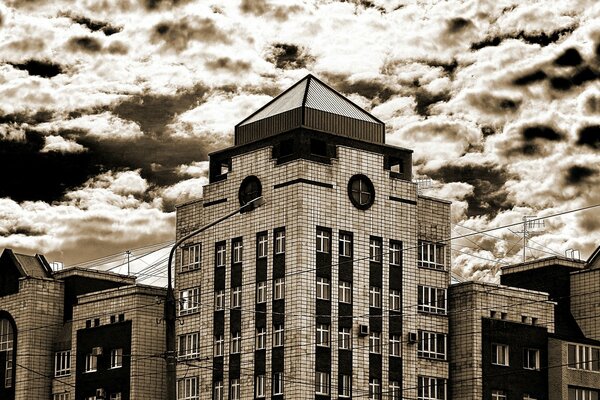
point(250, 189)
point(361, 191)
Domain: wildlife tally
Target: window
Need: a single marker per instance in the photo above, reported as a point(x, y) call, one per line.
point(219, 300)
point(498, 394)
point(345, 385)
point(432, 345)
point(261, 292)
point(280, 242)
point(503, 315)
point(238, 251)
point(375, 342)
point(395, 345)
point(261, 338)
point(61, 396)
point(375, 249)
point(584, 357)
point(62, 363)
point(278, 288)
point(361, 191)
point(432, 300)
point(190, 258)
point(345, 292)
point(277, 383)
point(534, 321)
point(262, 245)
point(431, 388)
point(323, 292)
point(235, 389)
point(116, 358)
point(344, 339)
point(220, 253)
point(189, 301)
point(6, 344)
point(218, 390)
point(394, 390)
point(322, 383)
point(431, 255)
point(115, 396)
point(531, 359)
point(323, 241)
point(236, 342)
point(187, 388)
point(323, 335)
point(219, 345)
point(91, 363)
point(236, 297)
point(395, 253)
point(374, 389)
point(394, 300)
point(345, 245)
point(499, 354)
point(259, 388)
point(375, 297)
point(189, 345)
point(278, 335)
point(582, 394)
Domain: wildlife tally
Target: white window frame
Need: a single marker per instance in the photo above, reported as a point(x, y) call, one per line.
point(219, 346)
point(345, 241)
point(432, 345)
point(261, 292)
point(345, 292)
point(262, 245)
point(500, 354)
point(218, 392)
point(191, 257)
point(395, 253)
point(577, 393)
point(431, 255)
point(237, 251)
point(498, 394)
point(235, 389)
point(261, 338)
point(278, 335)
point(116, 358)
point(323, 241)
point(432, 300)
point(91, 363)
point(277, 384)
point(219, 300)
point(395, 300)
point(236, 342)
point(346, 386)
point(536, 358)
point(236, 297)
point(394, 346)
point(187, 388)
point(394, 391)
point(323, 336)
point(62, 363)
point(279, 289)
point(189, 345)
point(322, 383)
point(323, 289)
point(374, 389)
point(260, 386)
point(189, 301)
point(375, 297)
point(116, 396)
point(375, 342)
point(345, 339)
point(61, 396)
point(428, 388)
point(375, 253)
point(221, 255)
point(585, 357)
point(280, 242)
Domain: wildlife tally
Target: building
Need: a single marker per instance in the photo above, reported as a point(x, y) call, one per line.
point(336, 287)
point(77, 334)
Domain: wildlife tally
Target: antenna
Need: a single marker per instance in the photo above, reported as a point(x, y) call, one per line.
point(128, 252)
point(572, 253)
point(530, 225)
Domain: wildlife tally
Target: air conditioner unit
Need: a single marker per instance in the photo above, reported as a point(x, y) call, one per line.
point(363, 330)
point(100, 393)
point(412, 337)
point(97, 351)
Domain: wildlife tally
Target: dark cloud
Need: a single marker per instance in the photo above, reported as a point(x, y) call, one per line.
point(589, 136)
point(459, 24)
point(578, 174)
point(256, 7)
point(448, 67)
point(34, 118)
point(117, 47)
point(45, 69)
point(541, 132)
point(289, 56)
point(165, 4)
point(490, 103)
point(530, 78)
point(569, 58)
point(426, 99)
point(24, 230)
point(535, 141)
point(561, 83)
point(370, 89)
point(84, 43)
point(581, 76)
point(366, 4)
point(487, 131)
point(93, 25)
point(227, 63)
point(178, 34)
point(542, 38)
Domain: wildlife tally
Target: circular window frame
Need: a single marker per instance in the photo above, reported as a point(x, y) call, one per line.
point(247, 181)
point(370, 188)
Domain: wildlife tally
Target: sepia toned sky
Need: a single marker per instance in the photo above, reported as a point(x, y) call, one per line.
point(108, 109)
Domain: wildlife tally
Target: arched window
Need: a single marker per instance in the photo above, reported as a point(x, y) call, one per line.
point(6, 345)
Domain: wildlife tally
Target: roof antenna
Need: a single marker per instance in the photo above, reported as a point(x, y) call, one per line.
point(128, 254)
point(531, 224)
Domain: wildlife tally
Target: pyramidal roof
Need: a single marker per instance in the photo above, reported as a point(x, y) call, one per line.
point(313, 104)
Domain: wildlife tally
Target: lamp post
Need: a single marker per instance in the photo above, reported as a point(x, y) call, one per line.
point(170, 309)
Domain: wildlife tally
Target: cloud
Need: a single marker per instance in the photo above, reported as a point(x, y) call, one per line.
point(94, 25)
point(195, 169)
point(103, 126)
point(289, 56)
point(60, 145)
point(40, 68)
point(179, 33)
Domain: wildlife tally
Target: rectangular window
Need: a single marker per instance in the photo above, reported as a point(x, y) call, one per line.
point(323, 241)
point(531, 359)
point(394, 391)
point(345, 339)
point(61, 396)
point(236, 342)
point(259, 387)
point(62, 363)
point(278, 288)
point(190, 258)
point(345, 292)
point(345, 386)
point(278, 335)
point(236, 297)
point(431, 255)
point(280, 241)
point(375, 297)
point(115, 396)
point(218, 390)
point(582, 394)
point(432, 300)
point(262, 245)
point(322, 383)
point(395, 253)
point(238, 251)
point(261, 338)
point(500, 354)
point(432, 345)
point(219, 300)
point(277, 383)
point(187, 389)
point(220, 254)
point(375, 342)
point(374, 389)
point(345, 244)
point(394, 300)
point(395, 345)
point(189, 301)
point(219, 345)
point(189, 345)
point(235, 389)
point(116, 358)
point(323, 335)
point(91, 363)
point(323, 292)
point(498, 394)
point(431, 388)
point(261, 292)
point(375, 249)
point(584, 357)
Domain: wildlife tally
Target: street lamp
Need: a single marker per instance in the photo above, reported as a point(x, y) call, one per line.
point(169, 314)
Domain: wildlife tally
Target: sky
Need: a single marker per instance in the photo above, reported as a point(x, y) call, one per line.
point(108, 109)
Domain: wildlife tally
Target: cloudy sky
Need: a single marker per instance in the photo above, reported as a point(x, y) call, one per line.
point(108, 109)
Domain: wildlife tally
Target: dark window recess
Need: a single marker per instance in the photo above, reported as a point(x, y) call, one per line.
point(396, 166)
point(97, 322)
point(121, 317)
point(88, 323)
point(318, 147)
point(113, 319)
point(286, 147)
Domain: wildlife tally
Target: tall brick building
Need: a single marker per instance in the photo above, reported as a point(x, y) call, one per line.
point(336, 287)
